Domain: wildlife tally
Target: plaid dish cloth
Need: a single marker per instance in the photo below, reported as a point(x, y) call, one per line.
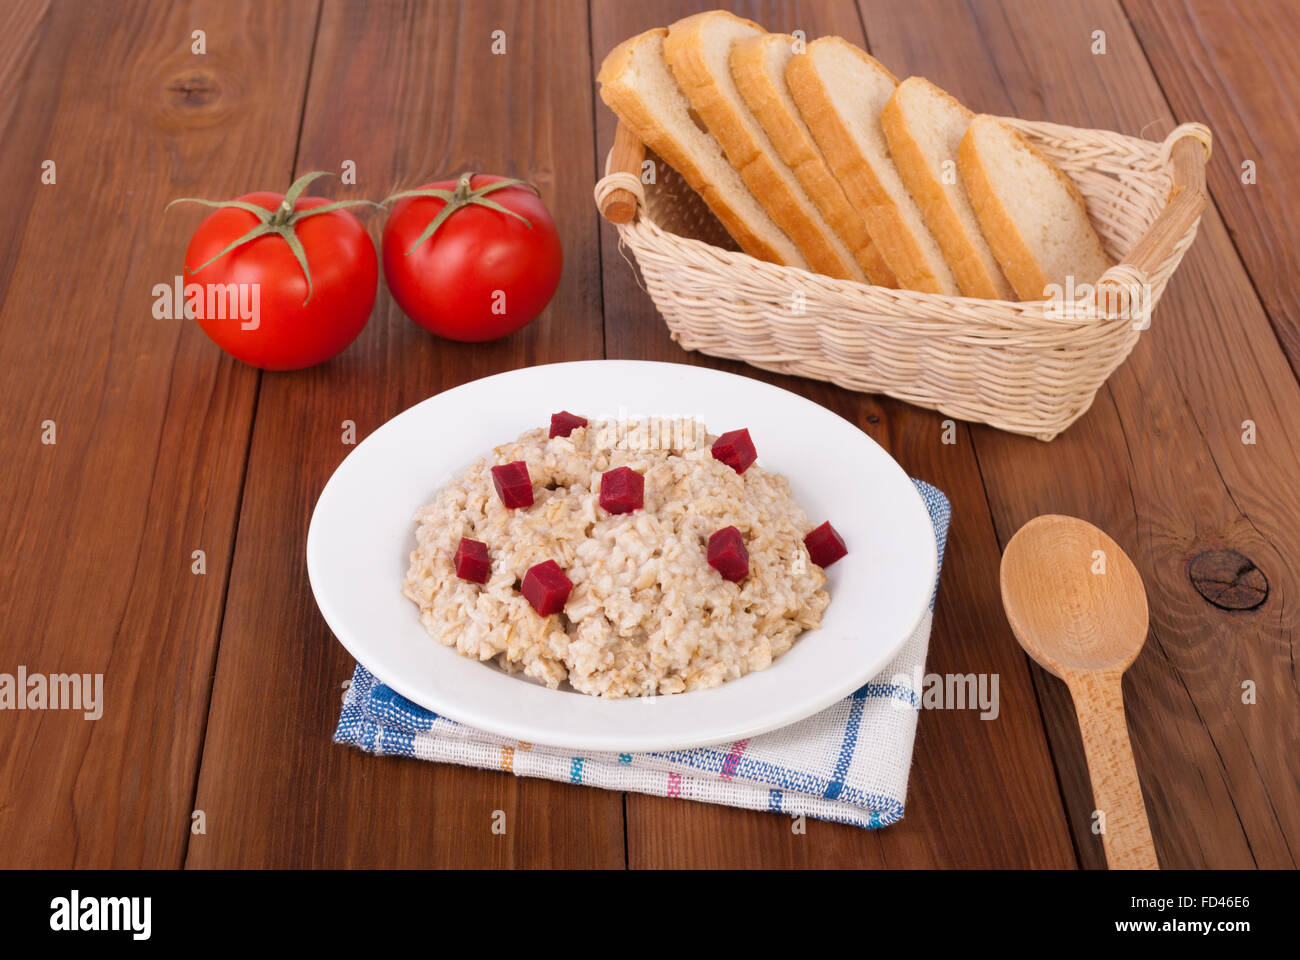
point(847, 764)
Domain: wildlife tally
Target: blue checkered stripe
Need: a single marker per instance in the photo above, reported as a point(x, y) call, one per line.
point(381, 721)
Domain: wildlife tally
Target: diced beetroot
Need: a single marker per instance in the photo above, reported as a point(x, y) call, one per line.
point(564, 423)
point(514, 485)
point(546, 587)
point(825, 545)
point(735, 449)
point(472, 561)
point(727, 554)
point(622, 490)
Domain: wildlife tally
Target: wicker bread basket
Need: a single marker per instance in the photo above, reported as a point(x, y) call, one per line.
point(1029, 367)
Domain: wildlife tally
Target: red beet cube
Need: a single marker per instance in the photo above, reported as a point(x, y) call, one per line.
point(546, 587)
point(472, 561)
point(727, 554)
point(514, 485)
point(564, 423)
point(735, 449)
point(622, 490)
point(825, 545)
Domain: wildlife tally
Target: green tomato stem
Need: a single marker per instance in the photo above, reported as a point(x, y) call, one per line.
point(463, 196)
point(282, 221)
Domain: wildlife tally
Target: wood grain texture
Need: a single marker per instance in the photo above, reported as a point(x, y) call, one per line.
point(151, 420)
point(156, 426)
point(982, 792)
point(25, 120)
point(1234, 63)
point(1158, 462)
point(391, 91)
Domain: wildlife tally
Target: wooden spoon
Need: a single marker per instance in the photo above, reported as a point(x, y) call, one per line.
point(1076, 604)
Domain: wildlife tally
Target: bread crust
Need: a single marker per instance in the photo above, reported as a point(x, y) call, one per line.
point(889, 231)
point(970, 269)
point(749, 68)
point(1021, 267)
point(683, 49)
point(626, 102)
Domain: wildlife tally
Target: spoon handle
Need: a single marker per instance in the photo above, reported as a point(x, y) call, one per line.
point(1126, 835)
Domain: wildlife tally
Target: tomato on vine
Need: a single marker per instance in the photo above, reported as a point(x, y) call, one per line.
point(471, 259)
point(309, 262)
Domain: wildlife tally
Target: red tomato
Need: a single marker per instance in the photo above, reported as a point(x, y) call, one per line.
point(483, 273)
point(290, 331)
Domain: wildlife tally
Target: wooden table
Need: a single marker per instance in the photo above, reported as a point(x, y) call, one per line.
point(222, 689)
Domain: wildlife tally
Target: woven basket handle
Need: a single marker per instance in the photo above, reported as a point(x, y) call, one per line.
point(619, 192)
point(1186, 151)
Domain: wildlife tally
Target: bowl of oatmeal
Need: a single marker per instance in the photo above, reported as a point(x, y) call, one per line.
point(632, 582)
point(644, 612)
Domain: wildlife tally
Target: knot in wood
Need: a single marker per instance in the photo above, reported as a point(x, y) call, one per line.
point(1228, 579)
point(193, 89)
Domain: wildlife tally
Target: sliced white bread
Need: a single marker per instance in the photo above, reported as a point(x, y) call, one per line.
point(924, 126)
point(758, 67)
point(841, 92)
point(637, 85)
point(698, 49)
point(1031, 213)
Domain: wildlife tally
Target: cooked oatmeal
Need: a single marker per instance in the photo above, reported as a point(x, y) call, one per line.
point(647, 613)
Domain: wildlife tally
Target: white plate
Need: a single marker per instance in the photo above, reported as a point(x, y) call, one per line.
point(363, 532)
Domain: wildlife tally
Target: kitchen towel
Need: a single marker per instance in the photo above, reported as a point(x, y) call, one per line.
point(847, 764)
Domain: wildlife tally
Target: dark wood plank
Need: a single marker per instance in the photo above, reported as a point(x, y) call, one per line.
point(1233, 65)
point(982, 793)
point(25, 120)
point(410, 93)
point(152, 420)
point(1158, 462)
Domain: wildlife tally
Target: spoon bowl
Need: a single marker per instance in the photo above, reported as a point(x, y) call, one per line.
point(1073, 597)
